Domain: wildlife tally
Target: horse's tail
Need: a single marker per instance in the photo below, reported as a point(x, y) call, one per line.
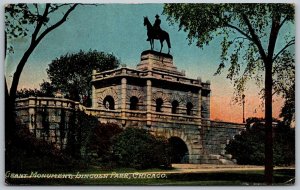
point(168, 40)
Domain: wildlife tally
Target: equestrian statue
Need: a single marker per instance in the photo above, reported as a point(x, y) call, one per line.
point(156, 33)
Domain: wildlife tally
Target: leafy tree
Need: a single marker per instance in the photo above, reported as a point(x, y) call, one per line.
point(288, 110)
point(250, 34)
point(34, 21)
point(100, 140)
point(46, 90)
point(139, 149)
point(72, 73)
point(248, 148)
point(80, 129)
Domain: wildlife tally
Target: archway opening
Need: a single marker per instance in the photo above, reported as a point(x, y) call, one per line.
point(175, 105)
point(159, 103)
point(109, 103)
point(179, 150)
point(134, 103)
point(189, 107)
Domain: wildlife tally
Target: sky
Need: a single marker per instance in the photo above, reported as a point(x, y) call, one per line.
point(119, 29)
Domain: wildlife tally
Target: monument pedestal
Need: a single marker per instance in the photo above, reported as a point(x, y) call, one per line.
point(156, 61)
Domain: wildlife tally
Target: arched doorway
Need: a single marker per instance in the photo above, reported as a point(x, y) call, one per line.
point(109, 103)
point(179, 150)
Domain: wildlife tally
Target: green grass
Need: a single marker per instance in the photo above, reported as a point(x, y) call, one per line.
point(203, 178)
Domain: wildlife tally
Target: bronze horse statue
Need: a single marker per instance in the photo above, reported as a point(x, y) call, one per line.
point(156, 35)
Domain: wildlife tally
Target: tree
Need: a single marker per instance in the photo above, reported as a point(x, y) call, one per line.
point(288, 109)
point(250, 35)
point(34, 21)
point(72, 73)
point(100, 140)
point(19, 21)
point(46, 90)
point(247, 147)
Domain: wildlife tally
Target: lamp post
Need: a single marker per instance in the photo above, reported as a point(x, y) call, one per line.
point(243, 99)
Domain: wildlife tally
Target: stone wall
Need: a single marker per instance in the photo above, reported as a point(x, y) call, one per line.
point(47, 118)
point(50, 118)
point(215, 138)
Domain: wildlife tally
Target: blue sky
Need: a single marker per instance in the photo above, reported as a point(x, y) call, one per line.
point(119, 29)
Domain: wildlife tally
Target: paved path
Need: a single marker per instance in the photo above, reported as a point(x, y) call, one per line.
point(186, 168)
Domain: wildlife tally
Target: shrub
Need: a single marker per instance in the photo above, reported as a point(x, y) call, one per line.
point(100, 141)
point(248, 147)
point(137, 148)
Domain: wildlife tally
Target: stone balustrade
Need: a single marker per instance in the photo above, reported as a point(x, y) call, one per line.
point(121, 72)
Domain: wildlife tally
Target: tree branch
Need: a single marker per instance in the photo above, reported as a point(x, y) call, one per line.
point(292, 42)
point(283, 21)
point(61, 21)
point(255, 38)
point(57, 7)
point(239, 30)
point(40, 23)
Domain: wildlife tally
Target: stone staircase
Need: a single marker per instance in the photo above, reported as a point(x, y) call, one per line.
point(222, 159)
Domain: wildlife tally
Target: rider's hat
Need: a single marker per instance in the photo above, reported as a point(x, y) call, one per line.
point(156, 16)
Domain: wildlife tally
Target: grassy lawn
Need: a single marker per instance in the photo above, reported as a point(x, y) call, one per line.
point(125, 176)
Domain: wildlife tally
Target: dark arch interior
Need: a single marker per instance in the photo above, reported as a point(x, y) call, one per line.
point(159, 103)
point(179, 150)
point(133, 103)
point(189, 107)
point(109, 103)
point(175, 105)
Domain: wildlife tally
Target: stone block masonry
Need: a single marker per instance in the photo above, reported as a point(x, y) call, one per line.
point(154, 96)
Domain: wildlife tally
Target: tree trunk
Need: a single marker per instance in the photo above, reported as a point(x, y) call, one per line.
point(268, 124)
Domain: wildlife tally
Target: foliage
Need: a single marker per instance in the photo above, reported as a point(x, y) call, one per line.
point(46, 90)
point(80, 129)
point(139, 149)
point(288, 110)
point(33, 21)
point(253, 42)
point(30, 153)
point(248, 32)
point(72, 73)
point(100, 141)
point(248, 147)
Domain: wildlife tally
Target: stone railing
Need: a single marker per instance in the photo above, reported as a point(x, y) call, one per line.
point(175, 118)
point(123, 71)
point(135, 114)
point(49, 102)
point(103, 113)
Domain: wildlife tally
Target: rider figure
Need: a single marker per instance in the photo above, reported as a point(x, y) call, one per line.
point(156, 27)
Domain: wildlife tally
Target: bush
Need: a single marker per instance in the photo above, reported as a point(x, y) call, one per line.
point(100, 141)
point(137, 148)
point(249, 146)
point(31, 154)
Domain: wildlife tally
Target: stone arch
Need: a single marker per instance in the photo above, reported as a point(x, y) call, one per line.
point(171, 132)
point(108, 92)
point(109, 102)
point(179, 150)
point(137, 93)
point(160, 94)
point(176, 96)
